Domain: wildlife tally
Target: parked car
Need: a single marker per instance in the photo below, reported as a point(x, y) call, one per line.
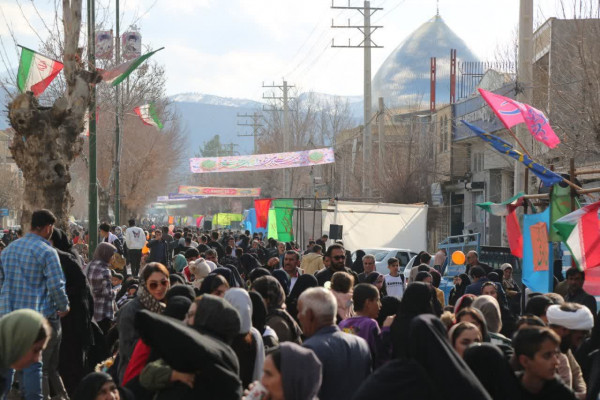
point(382, 255)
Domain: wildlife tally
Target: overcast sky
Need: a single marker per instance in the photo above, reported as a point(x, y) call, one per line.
point(229, 47)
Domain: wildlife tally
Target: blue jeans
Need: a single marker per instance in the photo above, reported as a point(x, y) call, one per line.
point(31, 382)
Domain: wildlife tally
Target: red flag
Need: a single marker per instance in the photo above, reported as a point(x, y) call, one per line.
point(513, 232)
point(261, 207)
point(512, 112)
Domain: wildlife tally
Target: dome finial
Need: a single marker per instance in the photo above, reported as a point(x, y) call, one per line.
point(438, 8)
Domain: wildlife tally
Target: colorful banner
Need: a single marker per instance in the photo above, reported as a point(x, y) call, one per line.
point(537, 252)
point(262, 212)
point(284, 210)
point(258, 162)
point(272, 232)
point(218, 192)
point(548, 177)
point(225, 219)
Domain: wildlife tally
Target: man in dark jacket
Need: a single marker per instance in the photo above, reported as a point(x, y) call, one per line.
point(158, 249)
point(575, 292)
point(335, 257)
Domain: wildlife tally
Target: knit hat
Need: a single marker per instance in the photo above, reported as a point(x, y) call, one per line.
point(579, 320)
point(505, 266)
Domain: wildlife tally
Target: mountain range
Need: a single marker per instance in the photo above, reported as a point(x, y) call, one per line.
point(206, 115)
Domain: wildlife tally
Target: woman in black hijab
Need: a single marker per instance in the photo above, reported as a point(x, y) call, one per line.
point(100, 385)
point(248, 263)
point(357, 265)
point(284, 280)
point(77, 324)
point(460, 285)
point(259, 320)
point(493, 371)
point(227, 274)
point(389, 306)
point(278, 318)
point(429, 346)
point(415, 301)
point(304, 282)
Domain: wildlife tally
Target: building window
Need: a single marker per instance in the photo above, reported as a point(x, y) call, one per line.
point(477, 162)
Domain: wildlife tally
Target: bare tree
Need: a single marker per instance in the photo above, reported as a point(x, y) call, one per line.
point(46, 140)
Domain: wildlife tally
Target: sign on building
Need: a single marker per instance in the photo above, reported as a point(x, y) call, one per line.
point(4, 212)
point(104, 45)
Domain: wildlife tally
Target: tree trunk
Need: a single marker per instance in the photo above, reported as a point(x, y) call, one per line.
point(47, 139)
point(103, 205)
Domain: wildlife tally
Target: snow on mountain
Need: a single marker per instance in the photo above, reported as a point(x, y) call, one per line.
point(215, 100)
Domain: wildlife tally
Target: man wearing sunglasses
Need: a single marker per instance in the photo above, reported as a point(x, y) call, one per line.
point(335, 258)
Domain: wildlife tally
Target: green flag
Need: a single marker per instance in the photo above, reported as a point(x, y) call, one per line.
point(284, 209)
point(560, 205)
point(272, 224)
point(504, 208)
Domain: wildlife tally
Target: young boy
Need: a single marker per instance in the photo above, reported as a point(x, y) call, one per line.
point(394, 281)
point(116, 280)
point(367, 306)
point(536, 351)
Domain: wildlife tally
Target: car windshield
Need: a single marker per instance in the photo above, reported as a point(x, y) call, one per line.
point(378, 253)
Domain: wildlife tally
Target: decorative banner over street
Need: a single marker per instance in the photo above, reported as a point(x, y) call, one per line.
point(258, 162)
point(218, 192)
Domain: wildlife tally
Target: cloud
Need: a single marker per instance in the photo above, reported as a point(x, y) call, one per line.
point(233, 74)
point(12, 18)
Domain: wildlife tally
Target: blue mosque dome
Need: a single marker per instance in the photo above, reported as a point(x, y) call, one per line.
point(403, 79)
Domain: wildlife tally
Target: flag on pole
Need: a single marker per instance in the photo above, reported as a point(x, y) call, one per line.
point(560, 205)
point(36, 71)
point(120, 72)
point(537, 267)
point(149, 116)
point(261, 207)
point(548, 177)
point(513, 230)
point(284, 211)
point(580, 231)
point(512, 112)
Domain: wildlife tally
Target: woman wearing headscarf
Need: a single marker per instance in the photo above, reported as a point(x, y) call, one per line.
point(77, 324)
point(389, 307)
point(200, 270)
point(428, 345)
point(491, 311)
point(248, 344)
point(259, 321)
point(179, 262)
point(415, 301)
point(278, 318)
point(214, 284)
point(375, 278)
point(292, 372)
point(305, 281)
point(208, 368)
point(464, 301)
point(99, 276)
point(247, 264)
point(23, 336)
point(357, 265)
point(100, 386)
point(227, 274)
point(460, 284)
point(151, 292)
point(284, 280)
point(493, 371)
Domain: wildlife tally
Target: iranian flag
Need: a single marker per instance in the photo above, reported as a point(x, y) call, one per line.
point(148, 114)
point(36, 71)
point(120, 72)
point(580, 231)
point(513, 230)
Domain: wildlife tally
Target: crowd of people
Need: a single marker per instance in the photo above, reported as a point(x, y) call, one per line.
point(177, 314)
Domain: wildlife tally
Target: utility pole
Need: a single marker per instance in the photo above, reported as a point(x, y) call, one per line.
point(367, 43)
point(286, 126)
point(256, 126)
point(117, 126)
point(381, 137)
point(524, 80)
point(93, 183)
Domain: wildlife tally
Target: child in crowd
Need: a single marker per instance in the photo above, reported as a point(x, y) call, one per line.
point(366, 306)
point(116, 280)
point(536, 351)
point(394, 281)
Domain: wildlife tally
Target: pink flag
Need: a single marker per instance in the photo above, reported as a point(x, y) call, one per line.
point(512, 112)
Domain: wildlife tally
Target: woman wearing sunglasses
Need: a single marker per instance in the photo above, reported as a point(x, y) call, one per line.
point(150, 295)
